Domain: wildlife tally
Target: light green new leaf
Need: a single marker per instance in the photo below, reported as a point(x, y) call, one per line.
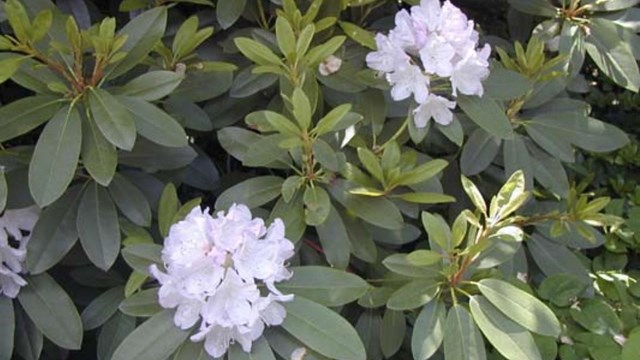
point(487, 114)
point(631, 347)
point(229, 11)
point(358, 34)
point(324, 285)
point(130, 200)
point(520, 307)
point(253, 192)
point(155, 339)
point(53, 312)
point(141, 304)
point(55, 233)
point(7, 327)
point(98, 226)
point(413, 295)
point(55, 157)
point(425, 198)
point(257, 52)
point(462, 340)
point(99, 156)
point(24, 115)
point(141, 256)
point(512, 340)
point(4, 191)
point(474, 194)
point(167, 208)
point(423, 172)
point(286, 38)
point(153, 85)
point(322, 330)
point(510, 198)
point(113, 119)
point(428, 330)
point(317, 54)
point(101, 308)
point(438, 230)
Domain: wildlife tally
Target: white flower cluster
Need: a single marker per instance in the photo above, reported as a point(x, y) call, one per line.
point(443, 41)
point(13, 247)
point(213, 268)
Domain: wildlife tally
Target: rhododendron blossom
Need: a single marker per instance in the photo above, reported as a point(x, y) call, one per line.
point(214, 266)
point(432, 42)
point(13, 247)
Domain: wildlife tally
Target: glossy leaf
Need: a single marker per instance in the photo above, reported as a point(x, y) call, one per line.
point(462, 340)
point(112, 118)
point(428, 330)
point(326, 286)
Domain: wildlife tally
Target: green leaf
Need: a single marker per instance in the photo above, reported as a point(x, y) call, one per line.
point(141, 304)
point(428, 330)
point(248, 82)
point(612, 54)
point(399, 264)
point(286, 38)
point(414, 294)
point(7, 327)
point(24, 115)
point(167, 208)
point(254, 192)
point(53, 312)
point(478, 152)
point(330, 121)
point(462, 340)
point(155, 339)
point(99, 156)
point(154, 124)
point(260, 350)
point(190, 350)
point(392, 332)
point(98, 226)
point(301, 108)
point(28, 339)
point(371, 163)
point(424, 258)
point(503, 84)
point(535, 7)
point(317, 205)
point(510, 198)
point(256, 52)
point(553, 258)
point(512, 340)
point(3, 190)
point(438, 230)
point(130, 200)
point(550, 173)
point(487, 114)
point(334, 238)
point(423, 172)
point(326, 286)
point(141, 256)
point(9, 66)
point(152, 157)
point(516, 157)
point(143, 33)
point(113, 119)
point(322, 330)
point(425, 198)
point(228, 11)
point(55, 157)
point(112, 334)
point(282, 124)
point(101, 308)
point(317, 54)
point(375, 210)
point(134, 283)
point(153, 85)
point(55, 233)
point(561, 289)
point(474, 194)
point(358, 34)
point(597, 317)
point(520, 307)
point(631, 347)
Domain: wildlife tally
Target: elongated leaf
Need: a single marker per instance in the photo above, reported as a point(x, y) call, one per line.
point(99, 156)
point(487, 114)
point(130, 200)
point(534, 7)
point(55, 233)
point(53, 312)
point(462, 340)
point(324, 285)
point(153, 123)
point(153, 85)
point(334, 239)
point(520, 307)
point(143, 33)
point(102, 308)
point(7, 327)
point(155, 339)
point(392, 331)
point(478, 152)
point(413, 295)
point(512, 340)
point(260, 350)
point(191, 351)
point(228, 11)
point(152, 157)
point(98, 226)
point(55, 157)
point(112, 333)
point(4, 191)
point(24, 115)
point(141, 256)
point(28, 339)
point(253, 192)
point(428, 330)
point(322, 330)
point(256, 52)
point(142, 304)
point(553, 258)
point(113, 119)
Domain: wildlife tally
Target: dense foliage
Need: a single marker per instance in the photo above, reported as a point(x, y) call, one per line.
point(319, 179)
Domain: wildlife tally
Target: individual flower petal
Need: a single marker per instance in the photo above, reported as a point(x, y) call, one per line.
point(469, 73)
point(409, 80)
point(388, 57)
point(436, 56)
point(437, 108)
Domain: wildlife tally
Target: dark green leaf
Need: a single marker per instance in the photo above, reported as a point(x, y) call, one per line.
point(487, 114)
point(99, 156)
point(334, 238)
point(153, 85)
point(28, 339)
point(112, 333)
point(228, 11)
point(7, 327)
point(413, 295)
point(53, 312)
point(478, 152)
point(141, 256)
point(22, 116)
point(102, 308)
point(130, 200)
point(153, 123)
point(141, 304)
point(167, 208)
point(113, 119)
point(392, 332)
point(152, 157)
point(324, 285)
point(253, 192)
point(260, 350)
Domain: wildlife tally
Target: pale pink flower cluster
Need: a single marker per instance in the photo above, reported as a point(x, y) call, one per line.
point(13, 247)
point(214, 266)
point(432, 41)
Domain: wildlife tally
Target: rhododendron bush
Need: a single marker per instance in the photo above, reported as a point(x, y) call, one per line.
point(319, 179)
